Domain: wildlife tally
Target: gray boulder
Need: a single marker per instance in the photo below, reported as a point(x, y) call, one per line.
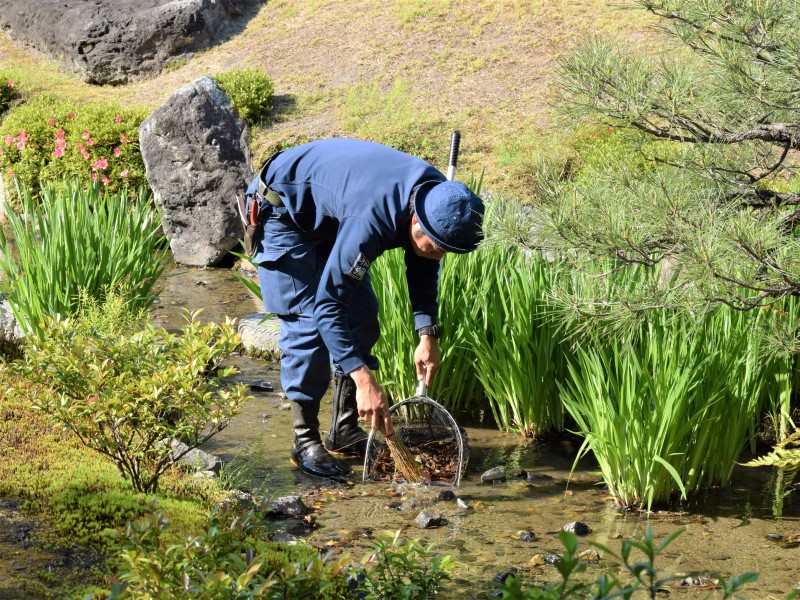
point(118, 41)
point(197, 161)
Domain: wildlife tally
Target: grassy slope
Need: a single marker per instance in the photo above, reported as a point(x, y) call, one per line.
point(485, 67)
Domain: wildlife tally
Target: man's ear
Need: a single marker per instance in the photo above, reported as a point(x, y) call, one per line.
point(414, 219)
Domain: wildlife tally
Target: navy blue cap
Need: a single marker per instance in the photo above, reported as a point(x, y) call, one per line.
point(450, 214)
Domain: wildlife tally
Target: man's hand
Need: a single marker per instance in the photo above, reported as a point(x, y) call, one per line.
point(371, 400)
point(427, 358)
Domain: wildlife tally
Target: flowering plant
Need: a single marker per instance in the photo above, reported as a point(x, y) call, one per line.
point(8, 93)
point(49, 138)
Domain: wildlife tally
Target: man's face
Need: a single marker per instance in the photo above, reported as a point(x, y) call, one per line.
point(422, 244)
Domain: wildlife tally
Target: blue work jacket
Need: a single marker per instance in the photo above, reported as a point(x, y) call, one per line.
point(353, 197)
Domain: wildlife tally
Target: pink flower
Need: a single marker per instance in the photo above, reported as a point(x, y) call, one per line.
point(117, 152)
point(104, 180)
point(124, 174)
point(58, 152)
point(10, 174)
point(94, 176)
point(90, 142)
point(61, 143)
point(100, 163)
point(21, 144)
point(72, 115)
point(118, 119)
point(123, 139)
point(85, 155)
point(86, 135)
point(10, 83)
point(52, 122)
point(23, 135)
point(60, 134)
point(10, 139)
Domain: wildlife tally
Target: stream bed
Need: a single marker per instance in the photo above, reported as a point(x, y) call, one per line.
point(512, 524)
point(726, 531)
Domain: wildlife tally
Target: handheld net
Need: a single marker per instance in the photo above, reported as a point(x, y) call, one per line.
point(432, 437)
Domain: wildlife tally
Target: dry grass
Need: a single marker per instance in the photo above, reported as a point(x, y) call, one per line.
point(485, 67)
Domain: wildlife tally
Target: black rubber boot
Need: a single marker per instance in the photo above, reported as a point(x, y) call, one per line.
point(345, 437)
point(308, 453)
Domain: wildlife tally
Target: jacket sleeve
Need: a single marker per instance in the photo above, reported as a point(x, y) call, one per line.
point(422, 275)
point(357, 246)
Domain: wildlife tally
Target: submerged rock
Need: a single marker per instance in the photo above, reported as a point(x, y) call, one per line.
point(494, 474)
point(445, 496)
point(286, 506)
point(589, 555)
point(260, 336)
point(500, 579)
point(462, 505)
point(526, 536)
point(577, 527)
point(429, 519)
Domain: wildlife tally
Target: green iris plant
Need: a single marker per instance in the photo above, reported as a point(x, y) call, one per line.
point(79, 240)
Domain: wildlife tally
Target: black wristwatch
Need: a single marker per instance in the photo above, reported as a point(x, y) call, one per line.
point(431, 330)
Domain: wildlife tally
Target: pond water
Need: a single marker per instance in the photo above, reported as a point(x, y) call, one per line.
point(726, 531)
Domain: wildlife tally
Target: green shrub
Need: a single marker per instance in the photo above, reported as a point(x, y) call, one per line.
point(408, 569)
point(8, 93)
point(230, 558)
point(79, 239)
point(52, 138)
point(249, 90)
point(128, 396)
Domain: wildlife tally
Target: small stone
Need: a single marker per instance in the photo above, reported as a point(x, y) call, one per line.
point(526, 536)
point(536, 561)
point(262, 385)
point(462, 505)
point(283, 537)
point(774, 537)
point(500, 578)
point(589, 555)
point(494, 474)
point(429, 519)
point(577, 527)
point(552, 559)
point(286, 406)
point(445, 496)
point(287, 506)
point(538, 478)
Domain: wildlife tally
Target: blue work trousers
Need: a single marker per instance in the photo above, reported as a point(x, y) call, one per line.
point(289, 275)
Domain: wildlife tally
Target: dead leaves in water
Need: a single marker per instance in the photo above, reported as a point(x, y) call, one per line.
point(786, 541)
